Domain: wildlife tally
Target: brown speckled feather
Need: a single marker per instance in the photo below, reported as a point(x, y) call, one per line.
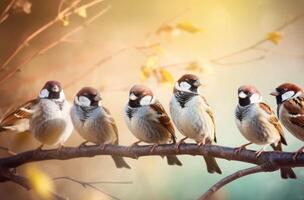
point(210, 113)
point(113, 124)
point(164, 118)
point(12, 117)
point(274, 121)
point(295, 107)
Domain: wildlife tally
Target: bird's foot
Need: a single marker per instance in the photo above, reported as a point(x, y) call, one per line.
point(153, 148)
point(102, 146)
point(59, 149)
point(259, 153)
point(38, 149)
point(300, 151)
point(179, 143)
point(242, 147)
point(135, 144)
point(82, 145)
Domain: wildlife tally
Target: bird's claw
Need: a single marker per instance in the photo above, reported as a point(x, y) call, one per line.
point(300, 151)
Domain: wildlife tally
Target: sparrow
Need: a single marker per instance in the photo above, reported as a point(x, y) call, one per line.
point(258, 124)
point(193, 116)
point(290, 110)
point(47, 116)
point(94, 122)
point(148, 121)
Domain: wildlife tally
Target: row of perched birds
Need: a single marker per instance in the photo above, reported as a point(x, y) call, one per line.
point(51, 120)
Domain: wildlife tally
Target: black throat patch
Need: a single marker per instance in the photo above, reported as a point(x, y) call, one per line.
point(183, 97)
point(130, 111)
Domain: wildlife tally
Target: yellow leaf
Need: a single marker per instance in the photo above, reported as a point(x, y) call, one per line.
point(147, 69)
point(200, 65)
point(188, 27)
point(194, 66)
point(145, 73)
point(40, 182)
point(165, 29)
point(82, 12)
point(275, 37)
point(64, 20)
point(164, 76)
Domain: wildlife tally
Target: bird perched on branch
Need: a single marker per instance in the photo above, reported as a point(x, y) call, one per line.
point(193, 116)
point(290, 110)
point(258, 124)
point(47, 116)
point(148, 121)
point(94, 122)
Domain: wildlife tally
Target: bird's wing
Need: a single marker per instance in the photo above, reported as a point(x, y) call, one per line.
point(211, 115)
point(163, 118)
point(273, 120)
point(24, 111)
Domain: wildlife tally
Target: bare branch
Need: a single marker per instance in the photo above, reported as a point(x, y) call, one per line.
point(53, 44)
point(258, 43)
point(91, 184)
point(230, 178)
point(5, 14)
point(279, 159)
point(66, 12)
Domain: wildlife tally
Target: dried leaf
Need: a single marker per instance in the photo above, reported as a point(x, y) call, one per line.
point(201, 66)
point(194, 66)
point(165, 29)
point(82, 12)
point(164, 76)
point(275, 37)
point(22, 6)
point(145, 73)
point(147, 69)
point(64, 20)
point(188, 27)
point(40, 182)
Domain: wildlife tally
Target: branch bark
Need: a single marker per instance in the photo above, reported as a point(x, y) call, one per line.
point(277, 159)
point(268, 161)
point(230, 178)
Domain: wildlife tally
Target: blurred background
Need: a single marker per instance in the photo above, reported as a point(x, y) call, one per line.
point(114, 44)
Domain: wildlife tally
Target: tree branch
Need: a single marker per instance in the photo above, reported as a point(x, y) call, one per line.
point(278, 159)
point(230, 178)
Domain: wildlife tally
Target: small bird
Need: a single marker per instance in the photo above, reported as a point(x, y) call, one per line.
point(48, 116)
point(290, 110)
point(193, 116)
point(148, 121)
point(94, 122)
point(258, 124)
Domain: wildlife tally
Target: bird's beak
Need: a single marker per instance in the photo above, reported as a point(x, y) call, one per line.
point(97, 98)
point(197, 83)
point(274, 93)
point(55, 88)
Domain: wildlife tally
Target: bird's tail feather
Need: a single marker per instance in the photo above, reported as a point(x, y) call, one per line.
point(120, 162)
point(212, 166)
point(173, 160)
point(285, 172)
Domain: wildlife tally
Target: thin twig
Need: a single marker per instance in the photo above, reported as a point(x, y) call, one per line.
point(66, 12)
point(52, 44)
point(92, 182)
point(87, 184)
point(258, 43)
point(5, 14)
point(230, 178)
